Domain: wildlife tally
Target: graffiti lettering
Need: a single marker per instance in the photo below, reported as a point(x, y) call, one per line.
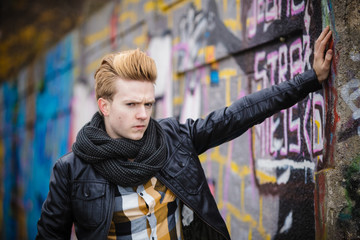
point(266, 11)
point(283, 130)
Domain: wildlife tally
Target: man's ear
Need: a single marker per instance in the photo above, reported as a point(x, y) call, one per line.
point(104, 106)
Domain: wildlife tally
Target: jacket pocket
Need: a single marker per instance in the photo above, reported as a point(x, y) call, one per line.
point(186, 170)
point(88, 203)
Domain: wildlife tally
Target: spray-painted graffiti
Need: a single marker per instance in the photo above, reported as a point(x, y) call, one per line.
point(351, 95)
point(288, 145)
point(287, 148)
point(35, 131)
point(209, 53)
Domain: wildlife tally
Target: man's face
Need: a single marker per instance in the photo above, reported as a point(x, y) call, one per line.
point(128, 114)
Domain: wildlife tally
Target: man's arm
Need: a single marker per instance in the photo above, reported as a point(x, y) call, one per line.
point(230, 122)
point(56, 216)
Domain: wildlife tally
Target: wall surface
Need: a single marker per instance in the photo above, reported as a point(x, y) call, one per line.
point(294, 176)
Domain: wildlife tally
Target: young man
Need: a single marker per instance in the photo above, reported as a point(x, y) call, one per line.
point(131, 177)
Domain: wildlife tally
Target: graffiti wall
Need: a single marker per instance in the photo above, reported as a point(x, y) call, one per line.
point(264, 181)
point(268, 183)
point(35, 129)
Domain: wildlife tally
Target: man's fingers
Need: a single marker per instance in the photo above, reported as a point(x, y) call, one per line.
point(328, 57)
point(321, 37)
point(325, 41)
point(323, 33)
point(320, 51)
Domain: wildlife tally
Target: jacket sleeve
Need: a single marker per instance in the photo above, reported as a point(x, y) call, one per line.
point(230, 122)
point(56, 217)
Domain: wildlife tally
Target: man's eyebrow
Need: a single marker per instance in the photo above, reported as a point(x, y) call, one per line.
point(139, 101)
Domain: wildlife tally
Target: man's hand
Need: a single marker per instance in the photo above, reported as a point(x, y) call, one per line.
point(321, 64)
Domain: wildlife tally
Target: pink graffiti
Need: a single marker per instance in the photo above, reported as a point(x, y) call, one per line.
point(306, 52)
point(295, 58)
point(306, 134)
point(294, 125)
point(283, 63)
point(273, 12)
point(271, 61)
point(318, 117)
point(273, 135)
point(260, 56)
point(296, 8)
point(266, 11)
point(284, 148)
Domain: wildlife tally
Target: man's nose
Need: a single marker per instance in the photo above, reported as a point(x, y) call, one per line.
point(141, 113)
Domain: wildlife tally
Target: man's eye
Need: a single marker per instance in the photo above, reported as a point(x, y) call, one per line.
point(149, 105)
point(130, 104)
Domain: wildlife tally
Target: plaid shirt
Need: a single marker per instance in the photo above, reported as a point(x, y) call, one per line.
point(150, 211)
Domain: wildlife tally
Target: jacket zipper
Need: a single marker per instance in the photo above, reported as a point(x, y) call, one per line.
point(182, 199)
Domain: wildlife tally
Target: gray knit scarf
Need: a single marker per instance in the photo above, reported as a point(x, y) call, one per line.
point(110, 156)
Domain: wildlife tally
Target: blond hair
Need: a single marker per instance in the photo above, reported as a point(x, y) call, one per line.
point(126, 65)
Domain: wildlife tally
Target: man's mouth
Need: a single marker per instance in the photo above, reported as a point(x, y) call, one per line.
point(139, 127)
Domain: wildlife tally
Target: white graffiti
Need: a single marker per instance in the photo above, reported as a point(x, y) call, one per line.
point(351, 93)
point(288, 223)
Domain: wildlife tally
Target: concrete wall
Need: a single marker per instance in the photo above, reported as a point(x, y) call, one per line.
point(294, 176)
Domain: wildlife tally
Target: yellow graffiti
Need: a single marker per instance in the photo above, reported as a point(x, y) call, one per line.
point(250, 233)
point(239, 88)
point(209, 54)
point(149, 7)
point(227, 74)
point(238, 15)
point(231, 24)
point(176, 41)
point(163, 7)
point(216, 155)
point(260, 227)
point(131, 16)
point(241, 171)
point(242, 200)
point(228, 92)
point(259, 87)
point(178, 101)
point(249, 21)
point(225, 5)
point(318, 136)
point(128, 2)
point(140, 41)
point(197, 4)
point(228, 222)
point(207, 80)
point(97, 36)
point(243, 217)
point(264, 178)
point(90, 68)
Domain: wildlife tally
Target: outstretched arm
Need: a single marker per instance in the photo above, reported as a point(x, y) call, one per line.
point(227, 123)
point(322, 61)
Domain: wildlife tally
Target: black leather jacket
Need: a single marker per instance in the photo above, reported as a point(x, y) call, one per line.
point(79, 195)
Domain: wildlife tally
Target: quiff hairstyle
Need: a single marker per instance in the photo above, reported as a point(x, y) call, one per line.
point(126, 65)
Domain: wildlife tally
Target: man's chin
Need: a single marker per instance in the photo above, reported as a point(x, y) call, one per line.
point(136, 137)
